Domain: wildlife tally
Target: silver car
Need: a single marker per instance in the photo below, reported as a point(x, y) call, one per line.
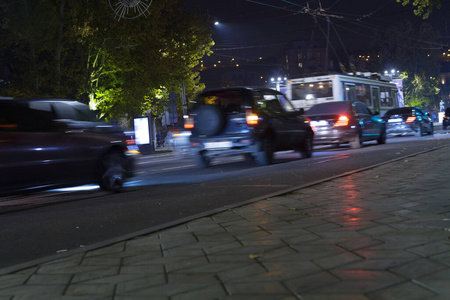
point(408, 121)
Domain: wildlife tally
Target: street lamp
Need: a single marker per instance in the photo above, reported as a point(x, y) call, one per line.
point(278, 81)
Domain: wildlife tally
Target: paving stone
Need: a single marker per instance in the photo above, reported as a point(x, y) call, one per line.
point(418, 268)
point(111, 249)
point(12, 280)
point(344, 296)
point(432, 248)
point(58, 279)
point(94, 273)
point(251, 268)
point(183, 263)
point(211, 292)
point(101, 261)
point(33, 291)
point(443, 258)
point(377, 264)
point(140, 283)
point(355, 243)
point(91, 290)
point(407, 290)
point(255, 288)
point(192, 278)
point(301, 285)
point(331, 262)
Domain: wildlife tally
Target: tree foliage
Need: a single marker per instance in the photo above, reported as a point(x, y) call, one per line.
point(419, 90)
point(412, 49)
point(423, 7)
point(77, 49)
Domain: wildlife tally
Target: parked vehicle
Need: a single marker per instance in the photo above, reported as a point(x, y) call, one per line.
point(407, 121)
point(341, 122)
point(254, 122)
point(47, 143)
point(446, 118)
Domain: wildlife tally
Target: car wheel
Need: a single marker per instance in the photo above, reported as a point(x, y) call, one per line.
point(356, 143)
point(431, 132)
point(201, 160)
point(264, 154)
point(444, 126)
point(382, 138)
point(306, 148)
point(209, 120)
point(112, 171)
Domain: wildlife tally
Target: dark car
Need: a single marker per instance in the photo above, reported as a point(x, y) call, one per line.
point(446, 118)
point(48, 143)
point(254, 122)
point(341, 122)
point(407, 121)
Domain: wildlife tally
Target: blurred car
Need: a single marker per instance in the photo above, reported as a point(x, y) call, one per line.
point(407, 121)
point(341, 122)
point(254, 122)
point(132, 147)
point(177, 139)
point(446, 118)
point(46, 143)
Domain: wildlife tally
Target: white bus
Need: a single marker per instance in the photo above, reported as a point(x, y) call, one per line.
point(375, 90)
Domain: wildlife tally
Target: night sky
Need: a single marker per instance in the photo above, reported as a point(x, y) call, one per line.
point(253, 28)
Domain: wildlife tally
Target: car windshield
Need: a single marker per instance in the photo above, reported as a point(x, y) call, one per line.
point(329, 108)
point(399, 111)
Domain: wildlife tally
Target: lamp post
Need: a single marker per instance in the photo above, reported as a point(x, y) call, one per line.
point(278, 81)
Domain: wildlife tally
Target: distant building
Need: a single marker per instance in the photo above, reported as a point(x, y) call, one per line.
point(239, 72)
point(305, 58)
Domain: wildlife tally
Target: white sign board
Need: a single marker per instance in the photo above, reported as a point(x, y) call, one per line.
point(142, 131)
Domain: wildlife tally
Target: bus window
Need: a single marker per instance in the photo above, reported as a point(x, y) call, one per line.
point(350, 92)
point(312, 90)
point(363, 94)
point(386, 97)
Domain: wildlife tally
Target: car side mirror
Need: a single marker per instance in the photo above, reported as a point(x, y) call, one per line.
point(301, 111)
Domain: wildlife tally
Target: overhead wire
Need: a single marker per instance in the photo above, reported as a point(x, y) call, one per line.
point(360, 20)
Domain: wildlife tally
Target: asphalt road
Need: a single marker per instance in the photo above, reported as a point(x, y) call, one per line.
point(168, 190)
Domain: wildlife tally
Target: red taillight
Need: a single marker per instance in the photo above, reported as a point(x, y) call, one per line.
point(189, 122)
point(252, 118)
point(410, 119)
point(131, 142)
point(342, 121)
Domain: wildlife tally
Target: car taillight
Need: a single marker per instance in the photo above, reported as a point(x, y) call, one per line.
point(252, 118)
point(189, 122)
point(342, 121)
point(410, 119)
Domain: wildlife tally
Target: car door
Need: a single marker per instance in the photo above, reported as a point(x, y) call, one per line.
point(424, 119)
point(282, 122)
point(39, 151)
point(369, 126)
point(29, 149)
